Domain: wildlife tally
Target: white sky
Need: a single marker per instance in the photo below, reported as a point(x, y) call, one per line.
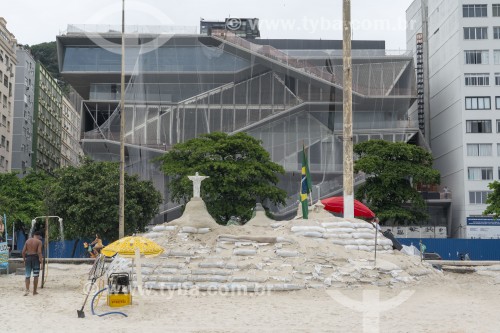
point(35, 21)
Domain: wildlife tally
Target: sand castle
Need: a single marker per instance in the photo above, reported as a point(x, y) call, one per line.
point(321, 252)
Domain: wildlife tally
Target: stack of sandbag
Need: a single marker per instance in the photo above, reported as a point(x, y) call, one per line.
point(352, 235)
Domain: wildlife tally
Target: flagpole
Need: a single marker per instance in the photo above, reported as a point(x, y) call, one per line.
point(347, 103)
point(121, 209)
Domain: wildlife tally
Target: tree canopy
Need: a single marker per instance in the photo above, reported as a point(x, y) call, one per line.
point(391, 171)
point(46, 53)
point(493, 200)
point(87, 198)
point(240, 170)
point(21, 199)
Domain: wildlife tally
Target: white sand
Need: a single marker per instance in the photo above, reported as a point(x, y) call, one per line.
point(454, 303)
point(341, 288)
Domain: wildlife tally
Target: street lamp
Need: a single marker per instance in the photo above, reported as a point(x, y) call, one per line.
point(46, 243)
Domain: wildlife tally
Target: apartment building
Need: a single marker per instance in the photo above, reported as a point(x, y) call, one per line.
point(47, 127)
point(71, 152)
point(461, 71)
point(7, 73)
point(24, 101)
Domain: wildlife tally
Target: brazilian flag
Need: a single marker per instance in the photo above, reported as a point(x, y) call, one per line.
point(305, 187)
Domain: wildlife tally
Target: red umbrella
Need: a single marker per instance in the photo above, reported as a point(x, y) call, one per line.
point(336, 205)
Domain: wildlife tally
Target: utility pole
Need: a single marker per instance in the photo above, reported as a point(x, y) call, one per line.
point(347, 104)
point(121, 209)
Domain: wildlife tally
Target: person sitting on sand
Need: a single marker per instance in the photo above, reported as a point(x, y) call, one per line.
point(32, 258)
point(97, 243)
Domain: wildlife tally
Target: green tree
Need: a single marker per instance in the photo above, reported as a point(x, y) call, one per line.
point(86, 197)
point(21, 199)
point(391, 169)
point(493, 200)
point(240, 170)
point(46, 53)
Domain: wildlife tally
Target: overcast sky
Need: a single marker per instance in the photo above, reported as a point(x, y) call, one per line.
point(34, 21)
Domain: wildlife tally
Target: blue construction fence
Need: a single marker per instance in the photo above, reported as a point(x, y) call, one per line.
point(60, 249)
point(448, 248)
point(451, 248)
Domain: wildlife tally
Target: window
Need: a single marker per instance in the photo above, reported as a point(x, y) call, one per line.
point(475, 10)
point(483, 173)
point(479, 149)
point(498, 128)
point(497, 79)
point(497, 102)
point(496, 10)
point(4, 121)
point(6, 81)
point(478, 197)
point(2, 144)
point(496, 57)
point(478, 126)
point(476, 33)
point(7, 146)
point(477, 79)
point(496, 32)
point(477, 57)
point(477, 103)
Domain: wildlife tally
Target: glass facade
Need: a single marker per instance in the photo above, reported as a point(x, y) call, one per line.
point(163, 59)
point(286, 97)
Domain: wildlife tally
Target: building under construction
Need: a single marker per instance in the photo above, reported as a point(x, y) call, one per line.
point(284, 92)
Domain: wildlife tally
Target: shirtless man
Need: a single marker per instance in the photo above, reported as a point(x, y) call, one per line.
point(32, 257)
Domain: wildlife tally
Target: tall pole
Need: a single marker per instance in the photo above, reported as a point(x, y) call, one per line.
point(347, 133)
point(121, 212)
point(46, 251)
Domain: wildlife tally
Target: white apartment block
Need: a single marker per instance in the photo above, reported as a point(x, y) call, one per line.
point(71, 151)
point(462, 67)
point(7, 73)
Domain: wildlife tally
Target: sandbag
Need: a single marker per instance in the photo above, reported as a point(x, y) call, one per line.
point(363, 241)
point(363, 235)
point(307, 228)
point(218, 264)
point(351, 247)
point(208, 278)
point(258, 239)
point(343, 224)
point(366, 230)
point(164, 227)
point(173, 278)
point(338, 241)
point(244, 252)
point(287, 253)
point(360, 225)
point(341, 230)
point(189, 230)
point(312, 234)
point(166, 271)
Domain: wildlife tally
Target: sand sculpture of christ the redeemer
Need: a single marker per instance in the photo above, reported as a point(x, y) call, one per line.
point(197, 179)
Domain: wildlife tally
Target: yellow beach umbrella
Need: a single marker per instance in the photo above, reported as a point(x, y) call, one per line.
point(126, 247)
point(134, 247)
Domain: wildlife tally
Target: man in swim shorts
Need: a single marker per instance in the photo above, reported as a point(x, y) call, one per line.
point(32, 258)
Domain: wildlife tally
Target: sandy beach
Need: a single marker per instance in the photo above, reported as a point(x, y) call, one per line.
point(454, 303)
